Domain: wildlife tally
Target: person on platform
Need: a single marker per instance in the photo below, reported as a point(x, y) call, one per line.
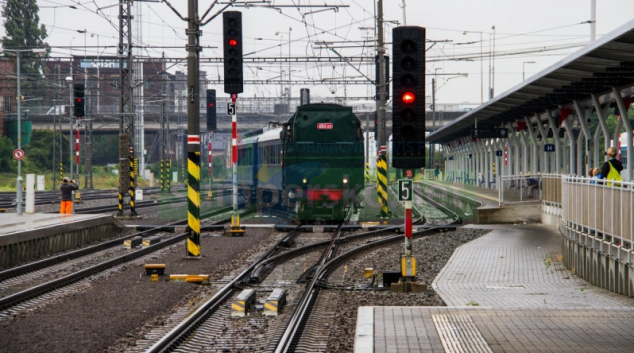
point(67, 188)
point(596, 175)
point(532, 183)
point(611, 169)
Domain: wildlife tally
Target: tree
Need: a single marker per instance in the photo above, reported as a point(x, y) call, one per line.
point(7, 163)
point(23, 31)
point(105, 150)
point(38, 153)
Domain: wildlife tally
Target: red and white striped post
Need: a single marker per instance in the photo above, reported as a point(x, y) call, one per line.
point(235, 217)
point(209, 160)
point(77, 148)
point(408, 224)
point(234, 152)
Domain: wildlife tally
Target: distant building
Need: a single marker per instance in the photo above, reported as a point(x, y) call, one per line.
point(8, 89)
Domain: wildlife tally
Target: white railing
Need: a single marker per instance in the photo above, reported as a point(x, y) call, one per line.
point(526, 186)
point(551, 189)
point(594, 207)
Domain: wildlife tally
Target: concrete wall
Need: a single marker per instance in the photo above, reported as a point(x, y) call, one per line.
point(598, 259)
point(510, 214)
point(21, 247)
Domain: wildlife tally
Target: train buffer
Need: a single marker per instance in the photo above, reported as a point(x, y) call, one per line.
point(154, 269)
point(149, 241)
point(243, 303)
point(133, 242)
point(202, 279)
point(274, 302)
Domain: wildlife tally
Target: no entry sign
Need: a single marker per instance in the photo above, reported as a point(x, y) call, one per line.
point(18, 154)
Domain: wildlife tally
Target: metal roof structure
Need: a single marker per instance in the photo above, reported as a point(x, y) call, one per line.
point(594, 69)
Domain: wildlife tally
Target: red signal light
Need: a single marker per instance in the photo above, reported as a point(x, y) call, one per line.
point(408, 97)
point(78, 100)
point(211, 105)
point(233, 42)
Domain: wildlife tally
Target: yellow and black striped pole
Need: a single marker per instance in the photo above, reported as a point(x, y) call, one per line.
point(61, 172)
point(381, 168)
point(132, 184)
point(193, 195)
point(367, 172)
point(167, 176)
point(161, 176)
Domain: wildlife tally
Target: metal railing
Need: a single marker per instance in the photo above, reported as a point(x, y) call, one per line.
point(526, 186)
point(551, 189)
point(594, 207)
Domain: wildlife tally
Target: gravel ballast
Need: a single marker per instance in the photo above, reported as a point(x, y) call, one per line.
point(432, 253)
point(116, 307)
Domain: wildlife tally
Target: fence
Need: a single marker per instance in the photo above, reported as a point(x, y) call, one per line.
point(551, 189)
point(526, 186)
point(597, 208)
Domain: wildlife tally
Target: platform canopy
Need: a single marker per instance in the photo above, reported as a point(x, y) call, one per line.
point(594, 69)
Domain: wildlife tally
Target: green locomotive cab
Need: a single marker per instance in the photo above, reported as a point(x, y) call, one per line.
point(323, 161)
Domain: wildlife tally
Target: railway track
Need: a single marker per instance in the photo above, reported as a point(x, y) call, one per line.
point(32, 291)
point(301, 329)
point(211, 326)
point(7, 198)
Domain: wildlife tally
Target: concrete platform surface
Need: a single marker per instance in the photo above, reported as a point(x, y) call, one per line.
point(482, 330)
point(489, 198)
point(518, 266)
point(506, 291)
point(12, 223)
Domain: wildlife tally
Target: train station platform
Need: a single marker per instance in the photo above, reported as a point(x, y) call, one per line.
point(507, 291)
point(483, 204)
point(29, 236)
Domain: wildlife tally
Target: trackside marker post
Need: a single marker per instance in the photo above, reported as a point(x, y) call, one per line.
point(408, 281)
point(235, 217)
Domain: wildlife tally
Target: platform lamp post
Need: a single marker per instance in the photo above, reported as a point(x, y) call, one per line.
point(19, 182)
point(69, 79)
point(98, 66)
point(524, 69)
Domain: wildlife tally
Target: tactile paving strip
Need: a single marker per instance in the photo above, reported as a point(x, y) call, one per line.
point(459, 334)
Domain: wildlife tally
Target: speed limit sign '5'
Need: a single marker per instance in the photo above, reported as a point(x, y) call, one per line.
point(18, 154)
point(405, 190)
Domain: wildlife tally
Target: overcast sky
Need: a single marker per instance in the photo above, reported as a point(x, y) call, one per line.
point(542, 31)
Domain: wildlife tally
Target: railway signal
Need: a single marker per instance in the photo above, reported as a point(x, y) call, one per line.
point(78, 99)
point(232, 50)
point(408, 85)
point(211, 110)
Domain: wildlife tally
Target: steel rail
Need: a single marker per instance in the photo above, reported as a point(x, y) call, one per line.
point(16, 298)
point(188, 326)
point(297, 323)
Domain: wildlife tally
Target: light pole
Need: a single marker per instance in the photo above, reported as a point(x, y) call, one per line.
point(290, 29)
point(98, 66)
point(524, 69)
point(69, 79)
point(18, 181)
point(481, 66)
point(493, 66)
point(71, 56)
point(433, 97)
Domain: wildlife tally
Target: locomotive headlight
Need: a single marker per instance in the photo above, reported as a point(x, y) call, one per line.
point(304, 180)
point(345, 180)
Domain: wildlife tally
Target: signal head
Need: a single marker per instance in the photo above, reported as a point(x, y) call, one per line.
point(408, 97)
